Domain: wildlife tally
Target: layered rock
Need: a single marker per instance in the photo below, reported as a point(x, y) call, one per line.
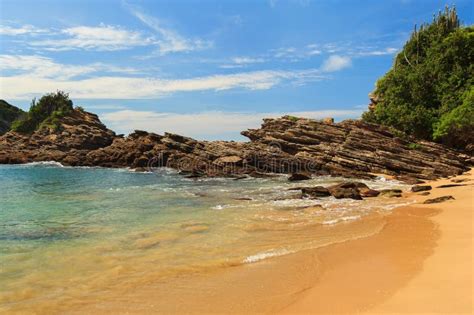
point(284, 145)
point(79, 133)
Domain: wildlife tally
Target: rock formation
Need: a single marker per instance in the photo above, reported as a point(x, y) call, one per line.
point(285, 145)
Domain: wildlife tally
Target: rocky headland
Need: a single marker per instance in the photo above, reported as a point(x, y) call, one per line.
point(298, 146)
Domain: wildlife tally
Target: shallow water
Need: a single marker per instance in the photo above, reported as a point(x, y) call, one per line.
point(75, 234)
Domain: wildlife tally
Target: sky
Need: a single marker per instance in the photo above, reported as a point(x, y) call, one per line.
point(205, 69)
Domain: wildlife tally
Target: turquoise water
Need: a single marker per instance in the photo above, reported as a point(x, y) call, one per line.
point(72, 234)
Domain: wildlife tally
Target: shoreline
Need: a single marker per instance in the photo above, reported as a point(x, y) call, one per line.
point(394, 268)
point(420, 262)
point(407, 266)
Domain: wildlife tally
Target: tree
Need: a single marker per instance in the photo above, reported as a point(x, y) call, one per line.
point(429, 78)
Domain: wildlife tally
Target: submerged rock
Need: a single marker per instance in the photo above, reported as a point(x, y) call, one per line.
point(299, 176)
point(391, 193)
point(315, 192)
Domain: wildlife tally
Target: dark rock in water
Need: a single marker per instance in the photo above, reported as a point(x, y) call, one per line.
point(418, 188)
point(316, 192)
point(450, 185)
point(240, 177)
point(392, 193)
point(438, 200)
point(369, 193)
point(365, 191)
point(340, 193)
point(425, 193)
point(345, 190)
point(194, 175)
point(299, 176)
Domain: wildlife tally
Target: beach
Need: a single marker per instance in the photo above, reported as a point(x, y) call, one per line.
point(421, 262)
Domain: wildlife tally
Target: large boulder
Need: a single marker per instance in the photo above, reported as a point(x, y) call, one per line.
point(345, 190)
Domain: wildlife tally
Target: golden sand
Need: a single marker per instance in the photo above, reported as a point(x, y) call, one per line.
point(420, 263)
point(417, 260)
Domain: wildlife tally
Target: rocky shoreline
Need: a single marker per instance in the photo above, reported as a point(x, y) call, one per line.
point(288, 145)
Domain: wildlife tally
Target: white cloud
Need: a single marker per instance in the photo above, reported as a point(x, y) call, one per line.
point(42, 67)
point(336, 63)
point(100, 38)
point(205, 125)
point(247, 60)
point(33, 76)
point(239, 62)
point(104, 107)
point(21, 30)
point(386, 51)
point(170, 41)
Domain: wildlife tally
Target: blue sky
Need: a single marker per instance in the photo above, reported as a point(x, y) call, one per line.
point(206, 69)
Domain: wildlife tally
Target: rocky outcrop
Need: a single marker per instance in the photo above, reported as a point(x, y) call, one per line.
point(79, 133)
point(284, 145)
point(355, 148)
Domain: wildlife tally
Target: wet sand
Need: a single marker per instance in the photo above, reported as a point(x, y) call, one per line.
point(420, 263)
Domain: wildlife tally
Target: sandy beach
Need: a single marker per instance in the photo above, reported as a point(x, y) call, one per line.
point(421, 262)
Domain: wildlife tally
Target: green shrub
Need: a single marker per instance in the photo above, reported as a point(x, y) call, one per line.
point(292, 118)
point(45, 113)
point(414, 146)
point(456, 128)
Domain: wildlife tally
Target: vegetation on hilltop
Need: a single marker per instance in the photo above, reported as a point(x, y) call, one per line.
point(8, 113)
point(428, 92)
point(45, 112)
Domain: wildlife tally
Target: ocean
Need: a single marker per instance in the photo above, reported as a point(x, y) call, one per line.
point(75, 234)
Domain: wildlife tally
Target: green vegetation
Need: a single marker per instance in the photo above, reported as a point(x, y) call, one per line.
point(456, 128)
point(45, 113)
point(414, 146)
point(8, 113)
point(428, 91)
point(292, 118)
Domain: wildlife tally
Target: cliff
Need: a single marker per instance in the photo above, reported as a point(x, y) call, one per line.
point(284, 145)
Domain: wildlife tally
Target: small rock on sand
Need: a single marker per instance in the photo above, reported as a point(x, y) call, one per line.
point(418, 188)
point(438, 200)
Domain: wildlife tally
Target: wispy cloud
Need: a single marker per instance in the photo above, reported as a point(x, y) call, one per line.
point(45, 68)
point(170, 41)
point(378, 52)
point(27, 76)
point(206, 125)
point(239, 62)
point(21, 30)
point(100, 38)
point(336, 63)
